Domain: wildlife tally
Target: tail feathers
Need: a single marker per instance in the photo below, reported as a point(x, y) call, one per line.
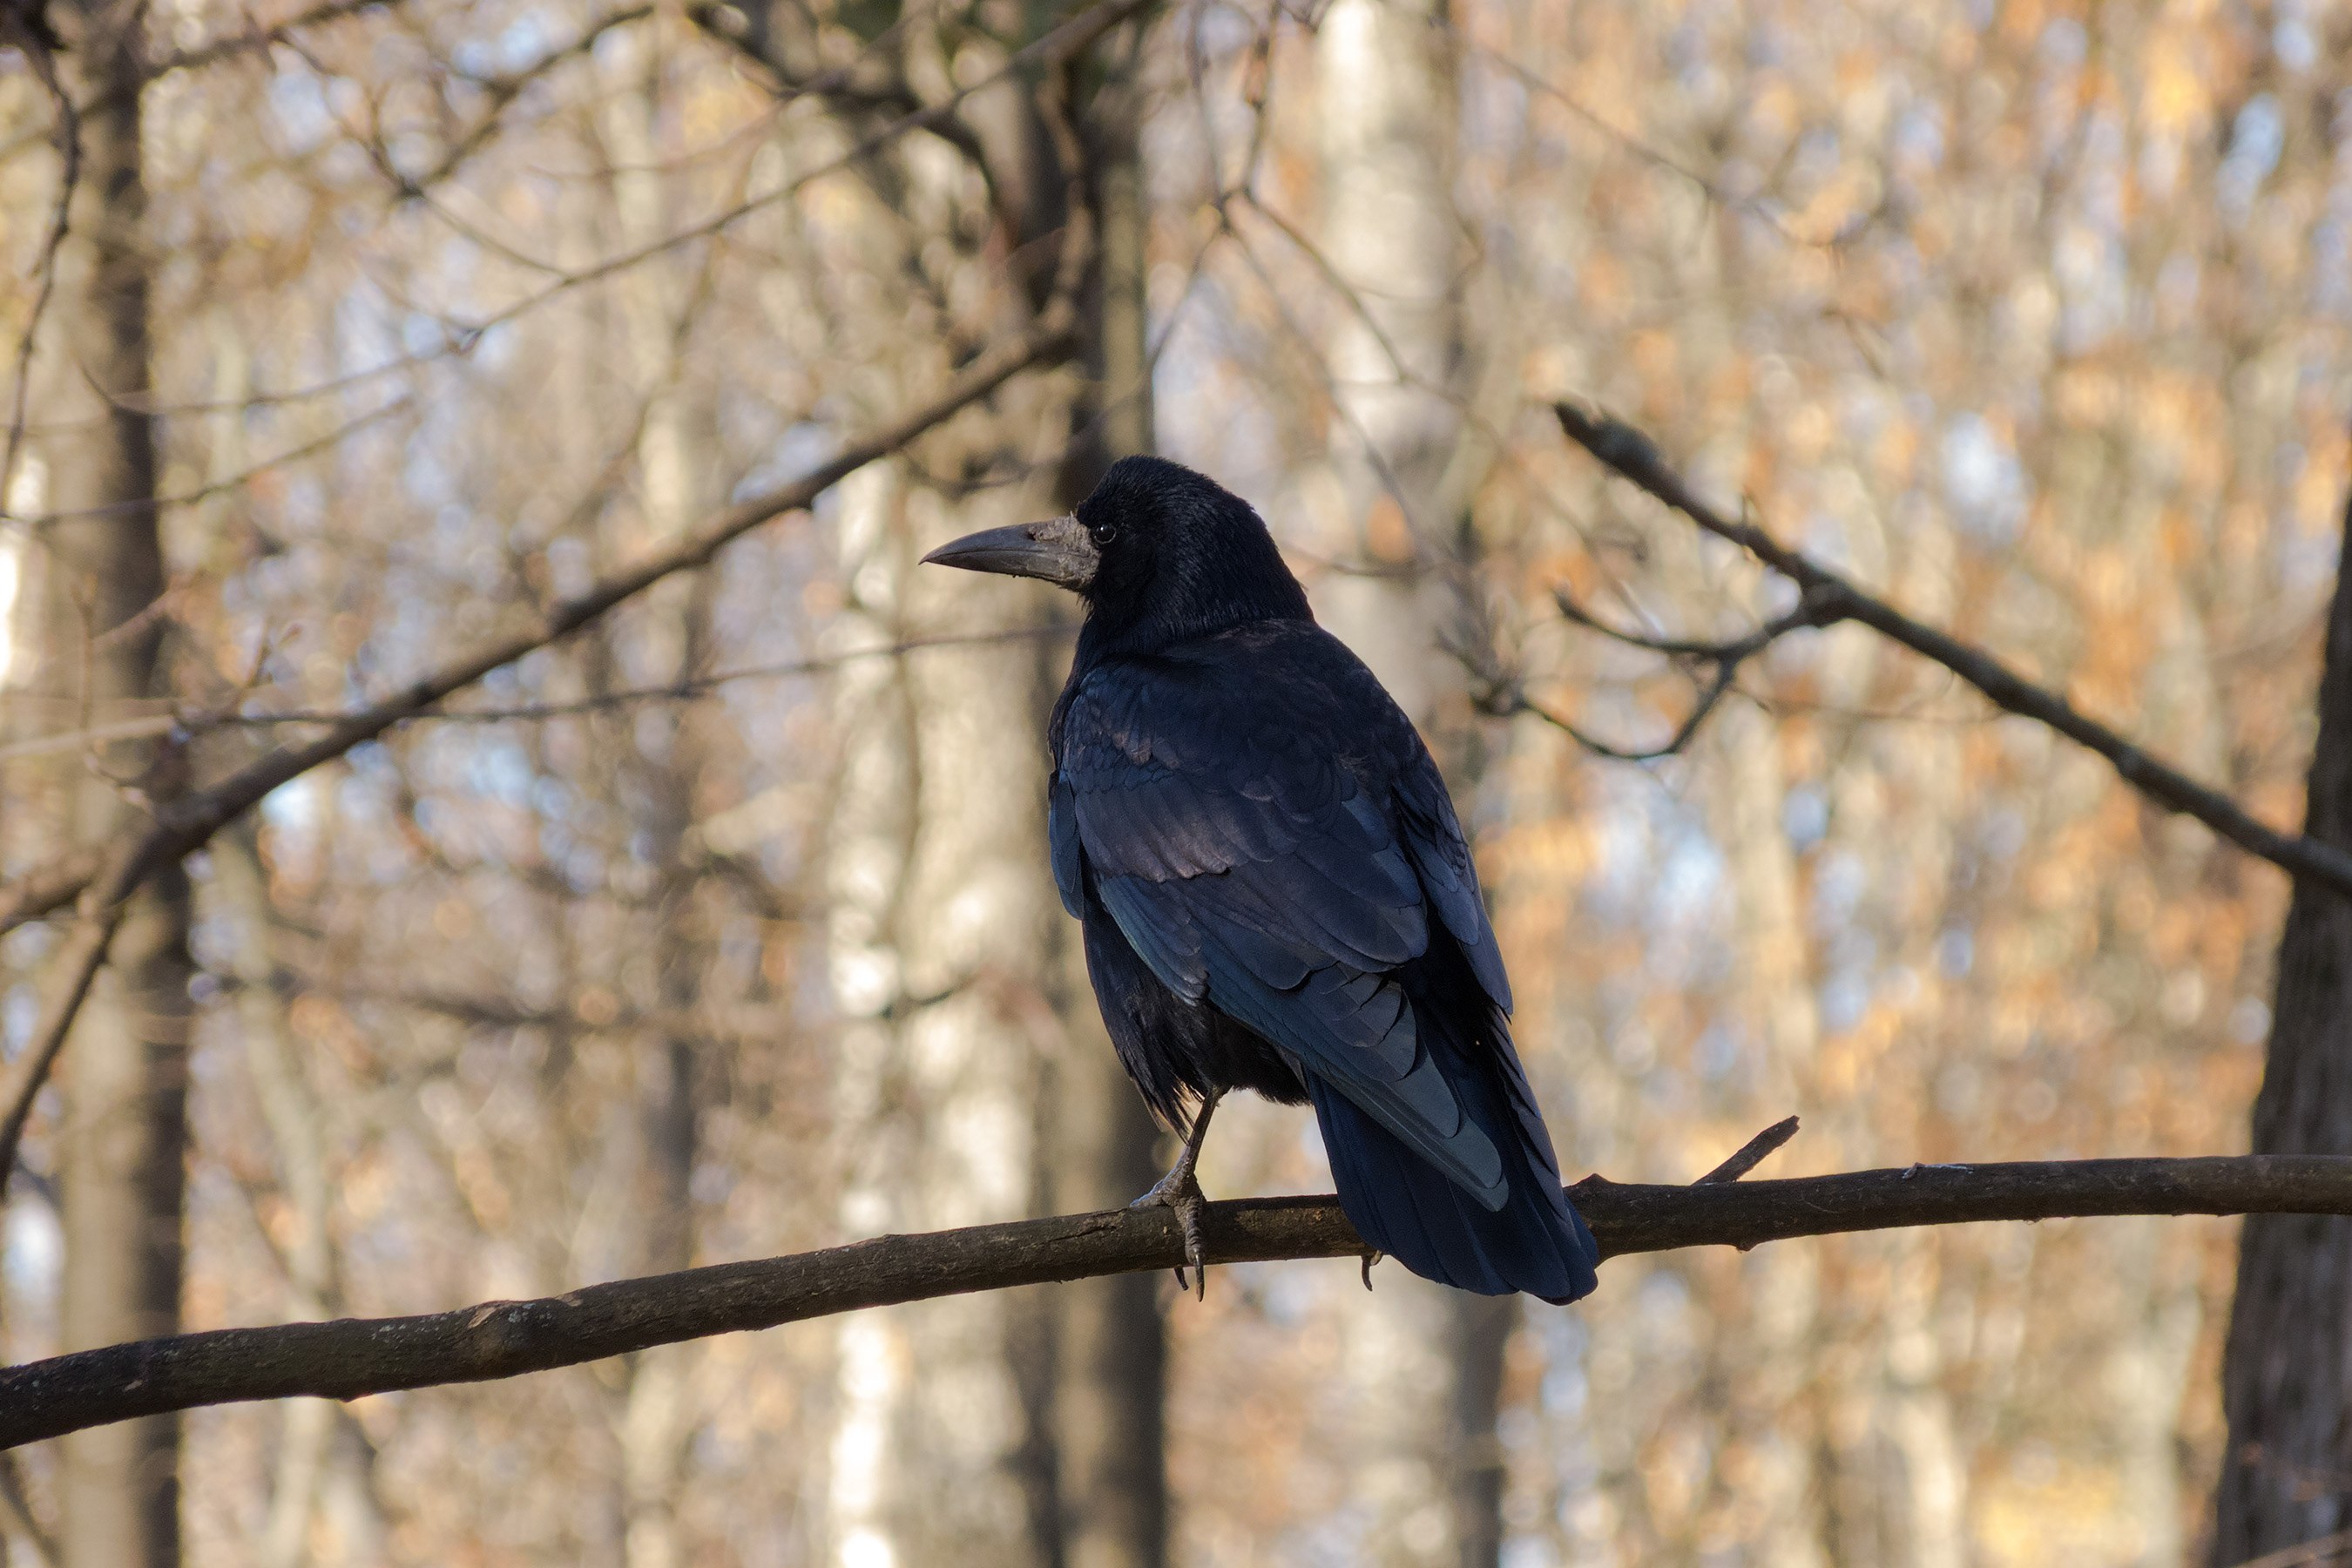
point(1403, 1206)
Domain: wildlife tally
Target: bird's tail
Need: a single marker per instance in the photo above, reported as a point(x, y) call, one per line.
point(1403, 1206)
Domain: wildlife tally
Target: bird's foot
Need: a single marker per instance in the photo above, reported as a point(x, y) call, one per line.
point(1181, 1191)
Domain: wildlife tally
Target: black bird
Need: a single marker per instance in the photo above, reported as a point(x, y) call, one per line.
point(1274, 890)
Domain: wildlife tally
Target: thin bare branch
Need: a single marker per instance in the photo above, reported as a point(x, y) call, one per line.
point(36, 47)
point(193, 819)
point(1635, 457)
point(251, 41)
point(74, 971)
point(1064, 43)
point(1656, 159)
point(354, 1357)
point(675, 691)
point(48, 887)
point(258, 40)
point(501, 91)
point(1505, 697)
point(17, 1504)
point(1750, 1154)
point(239, 480)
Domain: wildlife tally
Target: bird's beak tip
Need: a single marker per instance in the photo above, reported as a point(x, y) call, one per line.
point(1057, 552)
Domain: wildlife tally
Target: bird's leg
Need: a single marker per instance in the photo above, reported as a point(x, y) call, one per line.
point(1180, 1190)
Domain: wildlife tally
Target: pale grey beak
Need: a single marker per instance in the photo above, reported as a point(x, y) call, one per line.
point(1059, 551)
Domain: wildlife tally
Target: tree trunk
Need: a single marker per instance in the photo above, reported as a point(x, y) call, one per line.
point(123, 1138)
point(2287, 1474)
point(1109, 1426)
point(1422, 1365)
point(292, 1114)
point(940, 911)
point(677, 457)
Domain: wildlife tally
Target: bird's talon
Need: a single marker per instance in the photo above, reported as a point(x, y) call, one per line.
point(1180, 1190)
point(1184, 1197)
point(1370, 1258)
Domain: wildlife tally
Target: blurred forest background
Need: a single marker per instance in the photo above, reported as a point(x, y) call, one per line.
point(724, 927)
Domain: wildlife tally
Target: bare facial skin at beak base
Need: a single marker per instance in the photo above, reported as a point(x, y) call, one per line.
point(1059, 551)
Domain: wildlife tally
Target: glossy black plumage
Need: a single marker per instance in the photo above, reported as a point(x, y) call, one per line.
point(1276, 895)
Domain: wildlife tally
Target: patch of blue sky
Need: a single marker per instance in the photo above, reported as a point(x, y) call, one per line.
point(1804, 816)
point(2307, 561)
point(2002, 832)
point(1565, 1388)
point(1691, 878)
point(1844, 998)
point(367, 333)
point(497, 769)
point(2094, 273)
point(1916, 139)
point(1495, 117)
point(2257, 137)
point(18, 1013)
point(2293, 39)
point(1719, 1049)
point(794, 451)
point(1839, 883)
point(421, 332)
point(293, 806)
point(1984, 484)
point(1662, 1305)
point(34, 1248)
point(750, 421)
point(525, 41)
point(2065, 43)
point(299, 100)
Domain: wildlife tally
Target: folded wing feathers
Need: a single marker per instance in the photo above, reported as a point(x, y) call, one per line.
point(1262, 873)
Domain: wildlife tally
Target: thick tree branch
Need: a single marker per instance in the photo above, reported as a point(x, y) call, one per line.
point(1634, 456)
point(354, 1357)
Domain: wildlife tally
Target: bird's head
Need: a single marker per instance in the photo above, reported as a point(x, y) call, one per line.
point(1158, 552)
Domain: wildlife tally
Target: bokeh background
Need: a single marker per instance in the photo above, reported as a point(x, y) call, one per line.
point(724, 928)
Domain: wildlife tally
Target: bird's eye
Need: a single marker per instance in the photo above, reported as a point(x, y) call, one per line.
point(1103, 532)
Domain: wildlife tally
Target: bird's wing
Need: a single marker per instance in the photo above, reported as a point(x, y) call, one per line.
point(1433, 837)
point(1270, 837)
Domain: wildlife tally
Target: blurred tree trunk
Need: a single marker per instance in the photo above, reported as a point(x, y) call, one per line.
point(122, 1140)
point(309, 1451)
point(1422, 1365)
point(940, 934)
point(940, 920)
point(663, 762)
point(2287, 1474)
point(1062, 1394)
point(1110, 1418)
point(1780, 1404)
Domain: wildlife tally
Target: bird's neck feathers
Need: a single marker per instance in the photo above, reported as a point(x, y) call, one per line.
point(1200, 580)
